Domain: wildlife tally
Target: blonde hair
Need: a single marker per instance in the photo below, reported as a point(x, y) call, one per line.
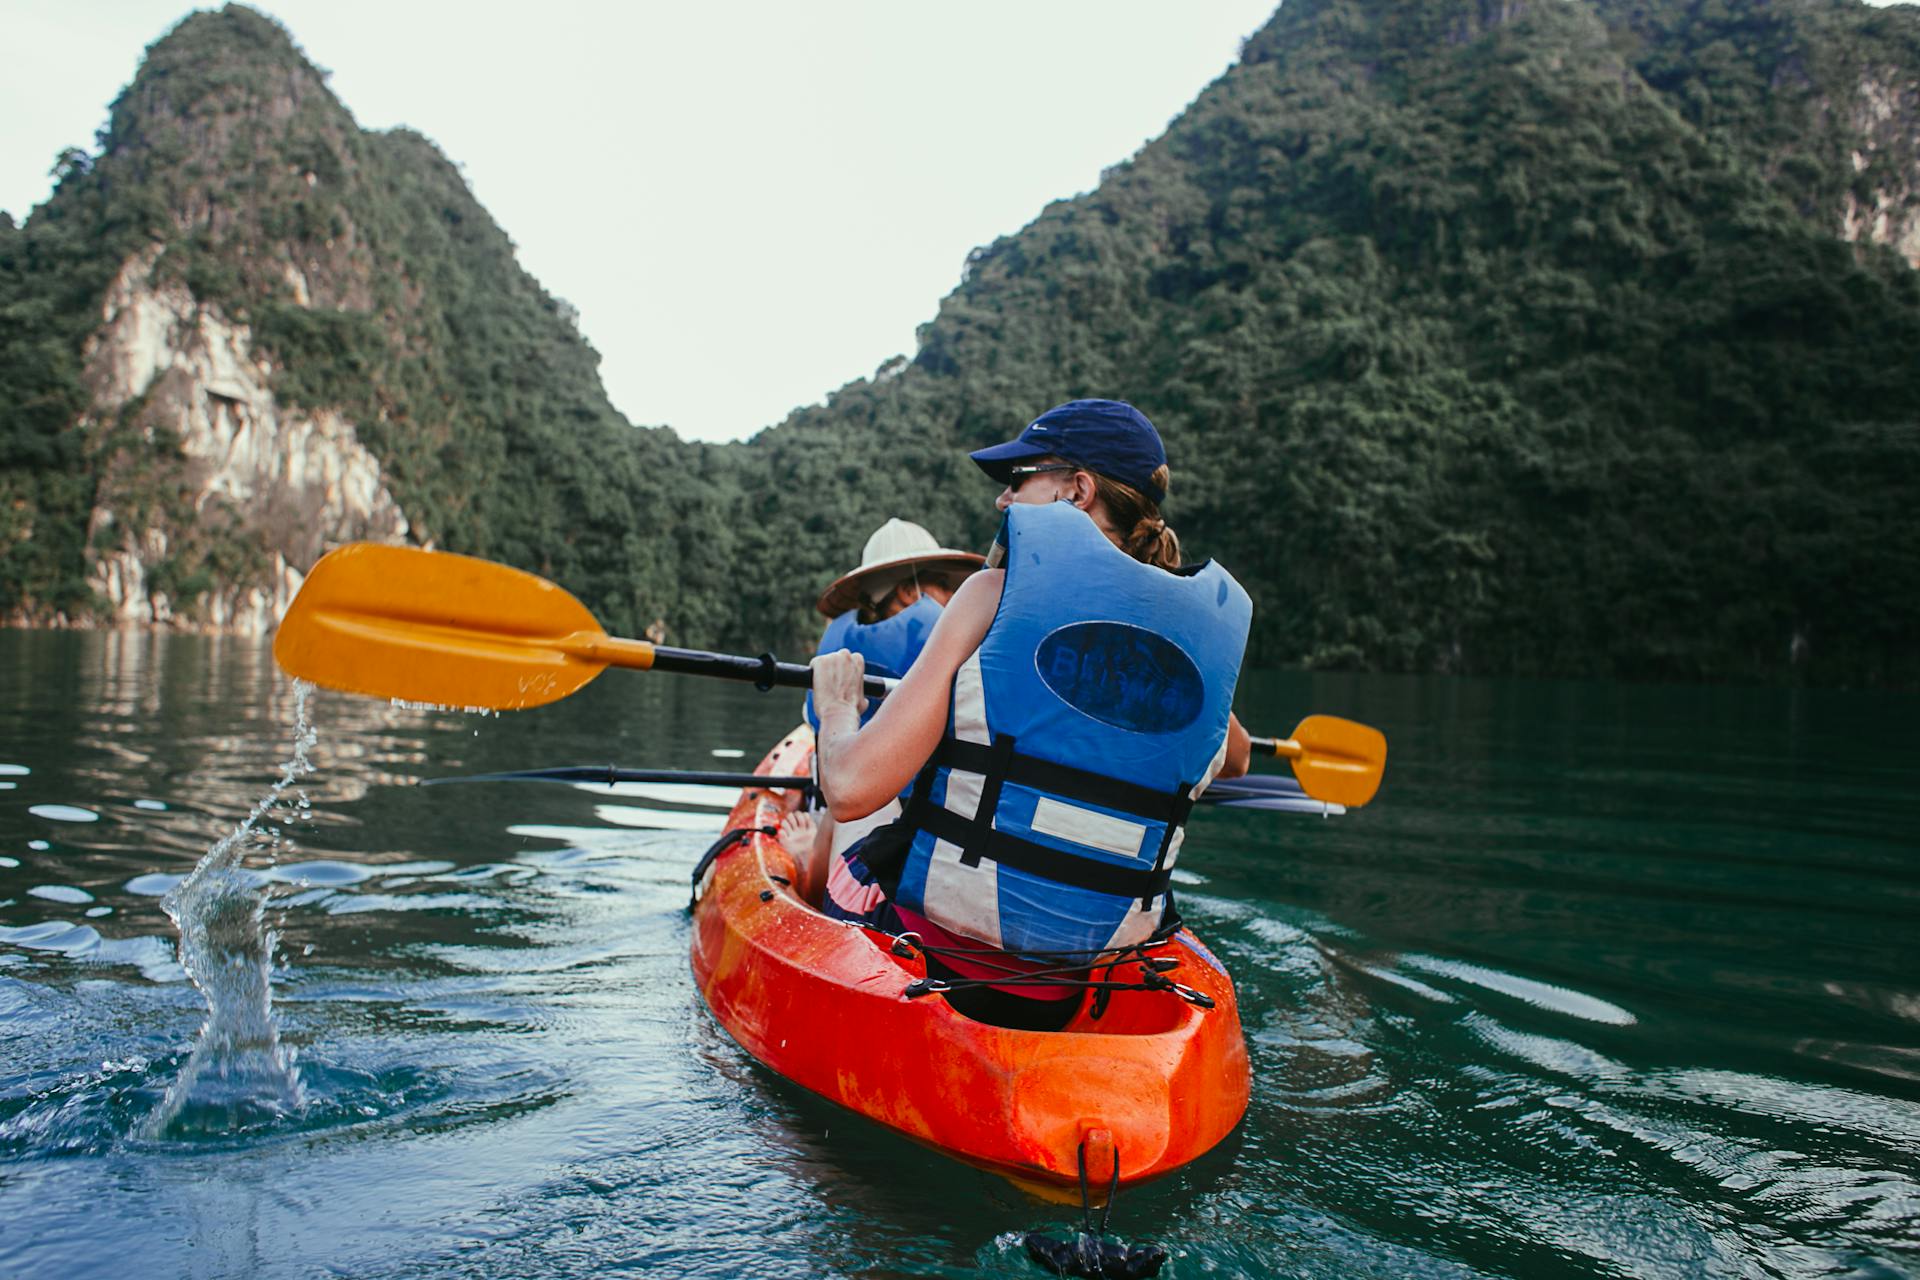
point(1144, 534)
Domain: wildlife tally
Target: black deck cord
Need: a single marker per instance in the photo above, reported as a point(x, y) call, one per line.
point(1152, 972)
point(1090, 1253)
point(726, 841)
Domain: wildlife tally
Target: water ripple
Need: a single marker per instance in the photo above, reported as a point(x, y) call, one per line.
point(1544, 995)
point(63, 813)
point(1558, 1004)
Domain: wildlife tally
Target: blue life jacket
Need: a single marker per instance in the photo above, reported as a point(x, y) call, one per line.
point(1095, 710)
point(889, 645)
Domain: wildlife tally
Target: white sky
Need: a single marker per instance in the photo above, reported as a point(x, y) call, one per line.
point(751, 203)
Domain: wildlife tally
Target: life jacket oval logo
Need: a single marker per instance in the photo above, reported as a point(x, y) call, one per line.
point(1122, 675)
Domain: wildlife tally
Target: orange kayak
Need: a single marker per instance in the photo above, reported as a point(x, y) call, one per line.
point(1154, 1079)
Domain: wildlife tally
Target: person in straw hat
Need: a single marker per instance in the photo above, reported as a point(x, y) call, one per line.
point(900, 566)
point(883, 610)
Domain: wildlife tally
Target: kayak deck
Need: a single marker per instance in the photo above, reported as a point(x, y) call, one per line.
point(822, 1002)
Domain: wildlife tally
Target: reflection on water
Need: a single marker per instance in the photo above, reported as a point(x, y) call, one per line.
point(1608, 981)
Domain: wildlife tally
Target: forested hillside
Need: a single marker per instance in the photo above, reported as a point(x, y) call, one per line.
point(1498, 337)
point(373, 283)
point(1485, 337)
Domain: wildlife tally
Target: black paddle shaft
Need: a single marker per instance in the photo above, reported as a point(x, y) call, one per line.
point(1255, 791)
point(607, 775)
point(763, 672)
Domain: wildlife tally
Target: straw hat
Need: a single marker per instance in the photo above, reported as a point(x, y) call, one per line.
point(898, 550)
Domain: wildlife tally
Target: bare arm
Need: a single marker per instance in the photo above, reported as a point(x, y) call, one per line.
point(862, 769)
point(1239, 749)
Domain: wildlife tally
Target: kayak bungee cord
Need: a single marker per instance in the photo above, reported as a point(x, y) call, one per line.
point(1072, 963)
point(727, 840)
point(1153, 969)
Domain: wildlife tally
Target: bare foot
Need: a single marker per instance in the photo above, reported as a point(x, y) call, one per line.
point(809, 839)
point(796, 832)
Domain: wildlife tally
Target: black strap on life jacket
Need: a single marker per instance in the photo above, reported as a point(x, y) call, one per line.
point(999, 757)
point(1144, 803)
point(976, 838)
point(1042, 860)
point(1182, 807)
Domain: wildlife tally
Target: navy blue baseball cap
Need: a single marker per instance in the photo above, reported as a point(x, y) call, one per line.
point(1109, 437)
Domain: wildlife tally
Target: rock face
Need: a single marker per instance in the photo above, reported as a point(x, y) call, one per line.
point(1883, 117)
point(287, 483)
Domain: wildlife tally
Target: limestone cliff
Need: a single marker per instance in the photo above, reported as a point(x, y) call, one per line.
point(1883, 207)
point(1823, 99)
point(178, 386)
point(248, 329)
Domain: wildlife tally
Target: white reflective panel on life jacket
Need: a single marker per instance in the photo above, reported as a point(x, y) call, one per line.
point(973, 891)
point(1089, 827)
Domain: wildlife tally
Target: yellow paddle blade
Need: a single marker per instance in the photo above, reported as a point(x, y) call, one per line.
point(1337, 760)
point(429, 626)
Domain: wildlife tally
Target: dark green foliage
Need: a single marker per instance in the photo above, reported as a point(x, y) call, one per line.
point(53, 273)
point(1473, 353)
point(466, 380)
point(1485, 335)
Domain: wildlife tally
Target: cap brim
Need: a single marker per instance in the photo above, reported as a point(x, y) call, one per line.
point(999, 460)
point(844, 594)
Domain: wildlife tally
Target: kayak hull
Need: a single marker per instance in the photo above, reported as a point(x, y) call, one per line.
point(1153, 1079)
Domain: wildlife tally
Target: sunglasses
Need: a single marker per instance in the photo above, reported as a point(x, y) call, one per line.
point(1017, 476)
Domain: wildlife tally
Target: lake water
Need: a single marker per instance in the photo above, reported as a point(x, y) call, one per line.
point(1609, 981)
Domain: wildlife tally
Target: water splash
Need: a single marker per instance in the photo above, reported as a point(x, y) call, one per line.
point(239, 1072)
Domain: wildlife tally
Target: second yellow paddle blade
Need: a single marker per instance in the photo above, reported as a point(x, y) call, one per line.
point(1339, 760)
point(429, 626)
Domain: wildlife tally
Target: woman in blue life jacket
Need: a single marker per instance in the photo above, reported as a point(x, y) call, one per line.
point(1056, 729)
point(884, 610)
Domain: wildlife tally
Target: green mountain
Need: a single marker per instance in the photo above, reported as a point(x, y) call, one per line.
point(1491, 337)
point(356, 276)
point(1486, 335)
